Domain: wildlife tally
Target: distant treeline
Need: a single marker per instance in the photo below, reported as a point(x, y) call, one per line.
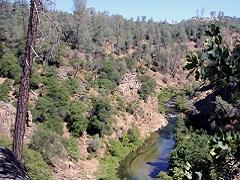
point(157, 45)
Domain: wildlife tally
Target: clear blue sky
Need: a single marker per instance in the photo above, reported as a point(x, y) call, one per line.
point(159, 9)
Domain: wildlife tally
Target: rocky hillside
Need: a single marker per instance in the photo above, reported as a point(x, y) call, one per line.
point(95, 87)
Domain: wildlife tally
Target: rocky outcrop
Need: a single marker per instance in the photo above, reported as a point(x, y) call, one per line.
point(7, 121)
point(129, 86)
point(10, 167)
point(7, 118)
point(204, 107)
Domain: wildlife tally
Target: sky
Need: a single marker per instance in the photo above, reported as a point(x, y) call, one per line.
point(159, 10)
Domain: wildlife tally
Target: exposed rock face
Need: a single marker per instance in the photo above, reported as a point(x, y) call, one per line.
point(129, 86)
point(7, 121)
point(10, 167)
point(204, 107)
point(7, 118)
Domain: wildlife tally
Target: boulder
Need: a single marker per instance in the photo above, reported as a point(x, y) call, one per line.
point(7, 121)
point(10, 167)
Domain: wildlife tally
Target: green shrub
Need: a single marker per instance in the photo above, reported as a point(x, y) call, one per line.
point(48, 143)
point(72, 85)
point(10, 67)
point(4, 90)
point(77, 121)
point(118, 148)
point(117, 151)
point(36, 78)
point(36, 166)
point(54, 125)
point(164, 176)
point(164, 96)
point(191, 148)
point(72, 147)
point(44, 109)
point(57, 91)
point(109, 167)
point(90, 80)
point(100, 118)
point(52, 108)
point(4, 141)
point(148, 85)
point(106, 86)
point(162, 109)
point(133, 136)
point(131, 107)
point(121, 104)
point(130, 63)
point(181, 102)
point(109, 71)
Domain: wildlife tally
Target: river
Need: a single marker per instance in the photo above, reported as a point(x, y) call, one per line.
point(152, 157)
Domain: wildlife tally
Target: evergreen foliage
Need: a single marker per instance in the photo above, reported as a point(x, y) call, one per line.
point(165, 95)
point(117, 150)
point(72, 147)
point(10, 67)
point(100, 118)
point(148, 85)
point(4, 90)
point(77, 120)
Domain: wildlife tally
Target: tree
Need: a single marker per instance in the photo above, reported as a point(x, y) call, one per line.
point(22, 103)
point(79, 5)
point(77, 121)
point(147, 86)
point(100, 118)
point(80, 17)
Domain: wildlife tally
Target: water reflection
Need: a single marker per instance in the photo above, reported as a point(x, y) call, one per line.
point(152, 157)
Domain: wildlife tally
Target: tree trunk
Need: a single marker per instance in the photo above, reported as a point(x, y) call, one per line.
point(22, 103)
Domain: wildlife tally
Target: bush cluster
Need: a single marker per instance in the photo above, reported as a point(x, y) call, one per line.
point(100, 117)
point(181, 102)
point(48, 143)
point(72, 147)
point(110, 73)
point(36, 166)
point(76, 117)
point(148, 85)
point(165, 95)
point(117, 150)
point(10, 67)
point(4, 90)
point(191, 154)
